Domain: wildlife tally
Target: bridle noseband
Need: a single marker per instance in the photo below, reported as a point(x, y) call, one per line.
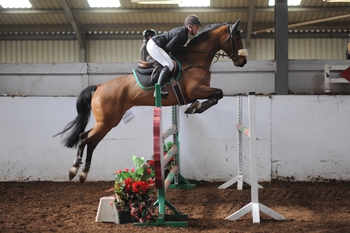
point(230, 36)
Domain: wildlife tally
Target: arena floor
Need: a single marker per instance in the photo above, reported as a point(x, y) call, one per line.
point(71, 207)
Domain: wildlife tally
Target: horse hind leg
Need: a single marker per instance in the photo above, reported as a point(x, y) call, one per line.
point(78, 160)
point(83, 175)
point(93, 138)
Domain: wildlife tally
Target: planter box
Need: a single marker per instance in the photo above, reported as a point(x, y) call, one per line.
point(107, 212)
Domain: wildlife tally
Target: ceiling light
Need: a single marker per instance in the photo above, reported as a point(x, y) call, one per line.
point(15, 4)
point(289, 2)
point(157, 1)
point(104, 3)
point(195, 3)
point(336, 0)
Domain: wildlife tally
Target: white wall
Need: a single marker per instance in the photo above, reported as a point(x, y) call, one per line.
point(68, 79)
point(299, 137)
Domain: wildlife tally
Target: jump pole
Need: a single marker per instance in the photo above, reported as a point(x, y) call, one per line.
point(240, 178)
point(161, 182)
point(254, 206)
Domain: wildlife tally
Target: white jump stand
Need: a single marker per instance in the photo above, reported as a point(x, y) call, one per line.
point(254, 206)
point(328, 79)
point(107, 211)
point(240, 178)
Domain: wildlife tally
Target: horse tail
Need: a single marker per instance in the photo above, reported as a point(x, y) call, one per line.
point(81, 120)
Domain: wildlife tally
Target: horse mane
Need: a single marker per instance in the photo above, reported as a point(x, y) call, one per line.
point(205, 31)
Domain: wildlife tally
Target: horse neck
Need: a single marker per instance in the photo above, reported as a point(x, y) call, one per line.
point(203, 53)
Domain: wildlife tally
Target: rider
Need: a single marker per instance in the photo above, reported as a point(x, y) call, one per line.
point(147, 34)
point(172, 41)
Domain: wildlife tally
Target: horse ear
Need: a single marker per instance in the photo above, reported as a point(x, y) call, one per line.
point(235, 26)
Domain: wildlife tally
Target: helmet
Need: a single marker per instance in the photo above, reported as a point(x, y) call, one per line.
point(192, 19)
point(149, 32)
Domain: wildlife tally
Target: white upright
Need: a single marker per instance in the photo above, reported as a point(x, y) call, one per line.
point(240, 178)
point(254, 206)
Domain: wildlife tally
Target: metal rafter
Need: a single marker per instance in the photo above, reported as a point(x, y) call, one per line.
point(166, 10)
point(250, 22)
point(78, 32)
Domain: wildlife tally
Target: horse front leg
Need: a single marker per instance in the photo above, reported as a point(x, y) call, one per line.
point(197, 107)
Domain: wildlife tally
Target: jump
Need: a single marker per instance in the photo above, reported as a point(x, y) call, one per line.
point(110, 100)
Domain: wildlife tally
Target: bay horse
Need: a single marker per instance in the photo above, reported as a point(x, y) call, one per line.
point(110, 100)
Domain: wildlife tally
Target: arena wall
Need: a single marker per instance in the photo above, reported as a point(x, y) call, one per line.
point(300, 137)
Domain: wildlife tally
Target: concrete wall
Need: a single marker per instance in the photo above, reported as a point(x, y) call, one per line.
point(300, 137)
point(68, 79)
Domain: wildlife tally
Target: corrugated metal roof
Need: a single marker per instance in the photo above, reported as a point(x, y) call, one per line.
point(48, 17)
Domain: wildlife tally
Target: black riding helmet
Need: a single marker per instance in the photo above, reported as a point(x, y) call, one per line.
point(149, 32)
point(192, 19)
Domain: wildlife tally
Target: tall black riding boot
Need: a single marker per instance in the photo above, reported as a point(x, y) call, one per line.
point(163, 77)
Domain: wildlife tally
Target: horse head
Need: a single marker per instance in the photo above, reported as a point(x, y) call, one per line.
point(217, 37)
point(233, 45)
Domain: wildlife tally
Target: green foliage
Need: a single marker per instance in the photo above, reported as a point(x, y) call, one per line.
point(135, 190)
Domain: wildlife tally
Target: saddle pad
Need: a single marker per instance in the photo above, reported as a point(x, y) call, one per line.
point(145, 81)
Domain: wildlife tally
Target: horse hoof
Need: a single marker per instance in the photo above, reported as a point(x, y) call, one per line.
point(82, 177)
point(71, 175)
point(73, 172)
point(193, 107)
point(190, 111)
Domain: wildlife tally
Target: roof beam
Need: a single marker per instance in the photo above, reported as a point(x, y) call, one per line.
point(76, 28)
point(167, 10)
point(306, 23)
point(250, 22)
point(131, 26)
point(135, 36)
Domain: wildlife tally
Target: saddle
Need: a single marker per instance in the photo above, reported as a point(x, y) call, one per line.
point(147, 72)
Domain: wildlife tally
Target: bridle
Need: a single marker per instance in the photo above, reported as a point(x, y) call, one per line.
point(230, 36)
point(217, 55)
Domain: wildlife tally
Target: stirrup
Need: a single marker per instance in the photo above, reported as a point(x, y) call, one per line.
point(163, 94)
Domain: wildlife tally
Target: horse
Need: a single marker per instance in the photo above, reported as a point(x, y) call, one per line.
point(110, 100)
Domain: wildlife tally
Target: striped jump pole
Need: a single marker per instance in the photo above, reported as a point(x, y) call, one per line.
point(162, 182)
point(254, 206)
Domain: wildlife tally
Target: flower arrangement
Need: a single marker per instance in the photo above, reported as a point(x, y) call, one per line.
point(135, 190)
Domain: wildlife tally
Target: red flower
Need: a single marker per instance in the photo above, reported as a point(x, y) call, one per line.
point(140, 186)
point(150, 162)
point(132, 170)
point(118, 172)
point(126, 169)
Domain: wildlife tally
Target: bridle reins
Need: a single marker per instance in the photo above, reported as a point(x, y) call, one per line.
point(215, 55)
